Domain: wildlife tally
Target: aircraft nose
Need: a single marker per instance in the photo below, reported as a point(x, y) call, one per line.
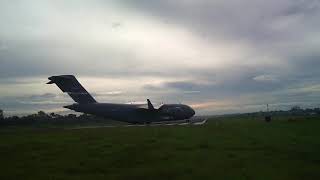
point(192, 112)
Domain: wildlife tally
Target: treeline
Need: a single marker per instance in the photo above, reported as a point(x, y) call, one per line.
point(42, 119)
point(297, 110)
point(294, 111)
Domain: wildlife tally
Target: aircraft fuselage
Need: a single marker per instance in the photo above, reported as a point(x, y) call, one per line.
point(135, 114)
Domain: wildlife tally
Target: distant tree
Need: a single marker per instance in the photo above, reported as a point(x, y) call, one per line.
point(15, 118)
point(1, 114)
point(295, 109)
point(72, 116)
point(309, 110)
point(42, 114)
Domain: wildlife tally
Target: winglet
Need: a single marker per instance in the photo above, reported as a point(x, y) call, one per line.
point(150, 106)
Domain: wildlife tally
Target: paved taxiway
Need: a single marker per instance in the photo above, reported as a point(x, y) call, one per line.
point(194, 122)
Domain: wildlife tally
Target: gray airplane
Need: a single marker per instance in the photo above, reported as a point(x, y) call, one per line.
point(130, 113)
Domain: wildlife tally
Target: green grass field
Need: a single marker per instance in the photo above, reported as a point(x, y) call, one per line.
point(224, 148)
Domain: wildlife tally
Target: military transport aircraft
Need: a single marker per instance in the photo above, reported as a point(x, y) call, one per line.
point(130, 113)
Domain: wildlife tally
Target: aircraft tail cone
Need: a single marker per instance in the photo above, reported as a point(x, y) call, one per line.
point(68, 107)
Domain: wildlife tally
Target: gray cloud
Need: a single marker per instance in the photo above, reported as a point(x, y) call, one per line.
point(43, 96)
point(239, 19)
point(184, 50)
point(266, 78)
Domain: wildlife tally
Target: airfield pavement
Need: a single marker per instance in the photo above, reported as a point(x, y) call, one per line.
point(196, 122)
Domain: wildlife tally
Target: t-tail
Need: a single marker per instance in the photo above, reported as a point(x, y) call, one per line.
point(70, 85)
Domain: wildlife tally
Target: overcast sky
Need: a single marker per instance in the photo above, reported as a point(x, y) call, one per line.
point(218, 56)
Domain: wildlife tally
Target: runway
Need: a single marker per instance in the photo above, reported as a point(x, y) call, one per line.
point(191, 122)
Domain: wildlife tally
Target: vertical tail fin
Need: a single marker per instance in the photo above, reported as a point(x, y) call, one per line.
point(70, 85)
point(150, 106)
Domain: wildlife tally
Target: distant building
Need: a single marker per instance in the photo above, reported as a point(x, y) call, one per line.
point(1, 114)
point(267, 118)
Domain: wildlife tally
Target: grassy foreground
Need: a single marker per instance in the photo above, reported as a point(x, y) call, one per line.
point(225, 148)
